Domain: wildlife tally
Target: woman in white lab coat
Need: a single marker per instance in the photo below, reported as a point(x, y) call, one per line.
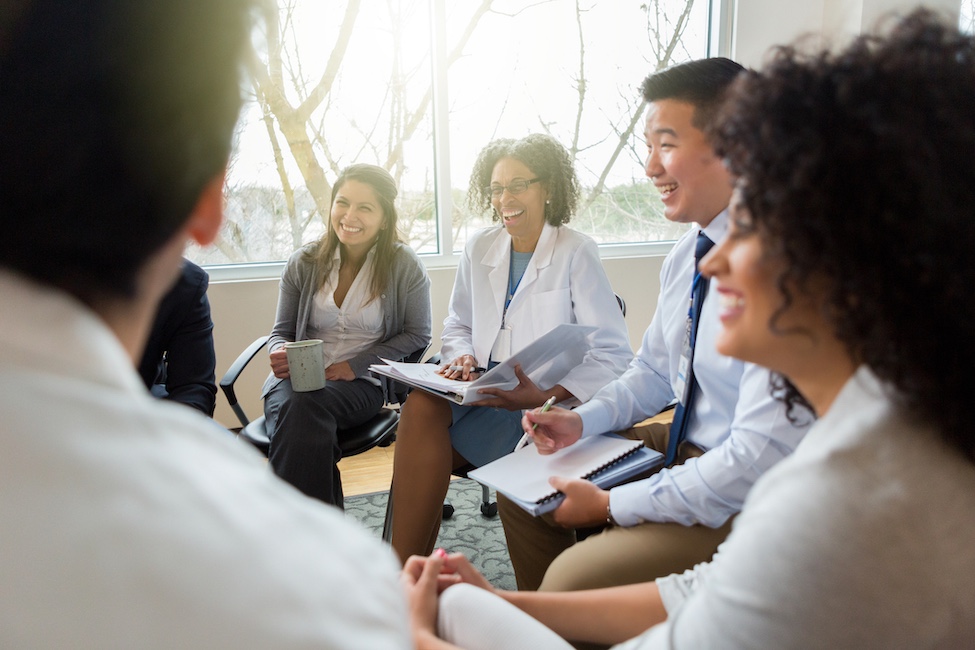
point(515, 282)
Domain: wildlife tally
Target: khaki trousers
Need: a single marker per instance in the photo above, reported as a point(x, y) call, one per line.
point(545, 556)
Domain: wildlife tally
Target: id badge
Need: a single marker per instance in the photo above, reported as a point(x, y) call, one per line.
point(684, 367)
point(502, 345)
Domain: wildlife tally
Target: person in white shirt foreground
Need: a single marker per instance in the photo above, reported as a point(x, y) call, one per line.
point(130, 522)
point(851, 225)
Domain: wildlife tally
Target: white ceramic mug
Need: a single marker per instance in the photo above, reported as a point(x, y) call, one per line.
point(306, 363)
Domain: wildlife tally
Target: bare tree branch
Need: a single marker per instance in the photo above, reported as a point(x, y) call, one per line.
point(664, 54)
point(624, 136)
point(289, 198)
point(293, 122)
point(675, 38)
point(324, 85)
point(410, 125)
point(580, 84)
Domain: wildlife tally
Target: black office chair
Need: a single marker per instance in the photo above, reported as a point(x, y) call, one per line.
point(379, 431)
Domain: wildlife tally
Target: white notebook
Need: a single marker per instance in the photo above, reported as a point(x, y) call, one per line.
point(523, 475)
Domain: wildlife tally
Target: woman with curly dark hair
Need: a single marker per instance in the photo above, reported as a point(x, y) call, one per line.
point(514, 283)
point(845, 270)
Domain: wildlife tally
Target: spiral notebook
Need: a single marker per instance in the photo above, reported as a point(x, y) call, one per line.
point(606, 460)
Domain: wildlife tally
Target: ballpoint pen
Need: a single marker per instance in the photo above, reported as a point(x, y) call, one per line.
point(525, 439)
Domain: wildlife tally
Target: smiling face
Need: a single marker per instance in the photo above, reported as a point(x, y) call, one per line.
point(522, 214)
point(754, 325)
point(693, 183)
point(357, 216)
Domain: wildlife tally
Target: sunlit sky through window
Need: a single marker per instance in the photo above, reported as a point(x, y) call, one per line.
point(522, 61)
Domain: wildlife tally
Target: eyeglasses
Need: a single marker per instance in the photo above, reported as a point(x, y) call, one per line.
point(514, 187)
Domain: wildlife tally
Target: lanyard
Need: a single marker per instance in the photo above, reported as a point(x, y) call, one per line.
point(511, 289)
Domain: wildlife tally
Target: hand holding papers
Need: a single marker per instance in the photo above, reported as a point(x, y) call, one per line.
point(546, 361)
point(606, 460)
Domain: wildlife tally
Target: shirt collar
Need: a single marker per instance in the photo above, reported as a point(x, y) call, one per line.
point(718, 228)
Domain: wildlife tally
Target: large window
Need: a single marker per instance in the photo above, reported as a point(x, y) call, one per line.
point(420, 86)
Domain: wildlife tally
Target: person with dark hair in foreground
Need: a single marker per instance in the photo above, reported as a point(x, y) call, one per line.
point(129, 522)
point(727, 429)
point(179, 361)
point(863, 537)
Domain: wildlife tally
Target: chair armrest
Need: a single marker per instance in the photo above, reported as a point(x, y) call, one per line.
point(233, 373)
point(416, 355)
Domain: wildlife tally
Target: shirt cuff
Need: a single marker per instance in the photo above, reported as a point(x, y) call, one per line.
point(624, 501)
point(674, 590)
point(596, 418)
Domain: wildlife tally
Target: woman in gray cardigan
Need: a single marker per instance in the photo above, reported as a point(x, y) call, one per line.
point(366, 295)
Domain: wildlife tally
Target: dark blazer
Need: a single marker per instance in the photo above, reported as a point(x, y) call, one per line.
point(179, 361)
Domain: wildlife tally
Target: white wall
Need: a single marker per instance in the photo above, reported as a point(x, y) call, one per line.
point(761, 24)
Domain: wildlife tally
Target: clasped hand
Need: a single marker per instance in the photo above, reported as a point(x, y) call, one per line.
point(425, 578)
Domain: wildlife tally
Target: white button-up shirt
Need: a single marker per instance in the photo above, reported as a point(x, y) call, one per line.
point(355, 326)
point(129, 522)
point(733, 418)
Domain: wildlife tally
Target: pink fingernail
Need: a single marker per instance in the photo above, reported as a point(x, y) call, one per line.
point(441, 553)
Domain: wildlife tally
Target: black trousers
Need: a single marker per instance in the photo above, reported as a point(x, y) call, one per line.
point(304, 429)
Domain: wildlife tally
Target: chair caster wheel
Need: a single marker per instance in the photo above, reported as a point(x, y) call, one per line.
point(448, 510)
point(489, 510)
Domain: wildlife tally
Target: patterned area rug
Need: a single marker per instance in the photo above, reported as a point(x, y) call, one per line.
point(478, 537)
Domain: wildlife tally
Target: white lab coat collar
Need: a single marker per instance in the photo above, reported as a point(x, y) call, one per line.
point(498, 257)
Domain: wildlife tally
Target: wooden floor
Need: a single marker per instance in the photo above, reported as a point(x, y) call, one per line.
point(367, 472)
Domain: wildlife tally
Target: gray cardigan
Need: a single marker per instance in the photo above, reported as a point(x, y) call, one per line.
point(405, 305)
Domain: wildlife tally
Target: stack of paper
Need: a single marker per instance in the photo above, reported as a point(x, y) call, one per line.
point(546, 361)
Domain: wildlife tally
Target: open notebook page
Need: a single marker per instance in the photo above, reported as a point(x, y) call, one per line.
point(524, 474)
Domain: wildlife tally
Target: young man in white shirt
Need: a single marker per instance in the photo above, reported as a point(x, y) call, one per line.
point(129, 522)
point(735, 430)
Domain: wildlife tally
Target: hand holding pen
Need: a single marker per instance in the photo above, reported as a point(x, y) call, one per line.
point(463, 368)
point(553, 429)
point(527, 438)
